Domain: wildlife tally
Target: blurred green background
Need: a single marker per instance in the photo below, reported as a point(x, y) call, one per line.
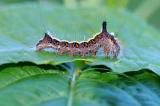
point(149, 10)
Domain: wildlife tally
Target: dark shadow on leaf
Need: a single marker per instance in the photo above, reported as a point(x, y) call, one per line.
point(26, 63)
point(100, 68)
point(134, 73)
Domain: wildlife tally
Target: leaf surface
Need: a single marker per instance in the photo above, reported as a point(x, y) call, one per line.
point(23, 25)
point(34, 86)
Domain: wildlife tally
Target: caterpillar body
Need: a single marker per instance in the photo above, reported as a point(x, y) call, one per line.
point(104, 41)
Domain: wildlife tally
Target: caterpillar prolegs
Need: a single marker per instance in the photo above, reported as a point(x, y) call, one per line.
point(103, 41)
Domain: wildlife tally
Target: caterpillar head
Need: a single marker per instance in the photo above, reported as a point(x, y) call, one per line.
point(46, 42)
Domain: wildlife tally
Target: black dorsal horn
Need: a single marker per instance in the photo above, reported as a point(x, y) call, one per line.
point(104, 26)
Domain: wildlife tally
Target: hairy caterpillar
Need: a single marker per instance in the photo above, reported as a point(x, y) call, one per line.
point(103, 40)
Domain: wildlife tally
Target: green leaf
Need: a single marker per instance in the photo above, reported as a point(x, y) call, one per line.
point(23, 26)
point(34, 86)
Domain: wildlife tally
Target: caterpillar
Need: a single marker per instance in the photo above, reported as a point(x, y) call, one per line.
point(104, 41)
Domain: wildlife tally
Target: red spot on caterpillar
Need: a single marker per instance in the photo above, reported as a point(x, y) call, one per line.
point(76, 45)
point(103, 40)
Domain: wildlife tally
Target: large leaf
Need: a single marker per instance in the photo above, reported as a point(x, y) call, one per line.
point(34, 86)
point(23, 25)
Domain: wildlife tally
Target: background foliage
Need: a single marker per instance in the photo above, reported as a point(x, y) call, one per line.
point(29, 78)
point(147, 9)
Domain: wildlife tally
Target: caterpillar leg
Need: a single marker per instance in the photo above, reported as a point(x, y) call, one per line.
point(83, 53)
point(106, 50)
point(93, 53)
point(62, 51)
